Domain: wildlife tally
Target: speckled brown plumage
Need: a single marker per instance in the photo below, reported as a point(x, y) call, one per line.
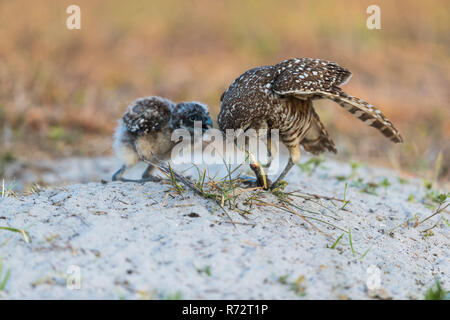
point(146, 128)
point(281, 96)
point(147, 115)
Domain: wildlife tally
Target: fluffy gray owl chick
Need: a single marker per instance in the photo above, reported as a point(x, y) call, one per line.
point(281, 97)
point(146, 128)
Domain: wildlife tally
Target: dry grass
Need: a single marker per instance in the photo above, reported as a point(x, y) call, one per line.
point(61, 91)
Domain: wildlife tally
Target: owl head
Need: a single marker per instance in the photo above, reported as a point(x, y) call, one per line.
point(186, 114)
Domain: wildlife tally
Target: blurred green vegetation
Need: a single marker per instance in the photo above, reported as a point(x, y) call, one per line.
point(56, 81)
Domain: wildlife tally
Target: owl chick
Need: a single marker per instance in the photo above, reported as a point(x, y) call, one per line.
point(281, 97)
point(146, 128)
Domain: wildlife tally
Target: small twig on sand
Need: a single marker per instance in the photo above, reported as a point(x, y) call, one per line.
point(304, 218)
point(236, 222)
point(290, 210)
point(163, 203)
point(438, 210)
point(313, 196)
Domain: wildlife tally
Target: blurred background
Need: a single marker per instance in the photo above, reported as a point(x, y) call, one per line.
point(62, 91)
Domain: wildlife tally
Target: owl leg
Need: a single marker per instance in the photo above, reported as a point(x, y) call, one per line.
point(294, 157)
point(261, 178)
point(119, 173)
point(146, 177)
point(257, 168)
point(283, 174)
point(269, 152)
point(118, 176)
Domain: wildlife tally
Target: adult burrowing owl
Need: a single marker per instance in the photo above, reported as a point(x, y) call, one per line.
point(281, 97)
point(146, 129)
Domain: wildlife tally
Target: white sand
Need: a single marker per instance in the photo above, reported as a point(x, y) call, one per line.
point(127, 245)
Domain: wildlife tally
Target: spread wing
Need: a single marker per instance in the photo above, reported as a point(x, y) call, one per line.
point(147, 115)
point(308, 75)
point(314, 78)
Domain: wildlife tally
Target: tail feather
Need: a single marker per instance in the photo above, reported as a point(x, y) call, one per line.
point(317, 139)
point(366, 113)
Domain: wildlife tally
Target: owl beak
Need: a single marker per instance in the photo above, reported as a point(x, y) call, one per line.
point(206, 124)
